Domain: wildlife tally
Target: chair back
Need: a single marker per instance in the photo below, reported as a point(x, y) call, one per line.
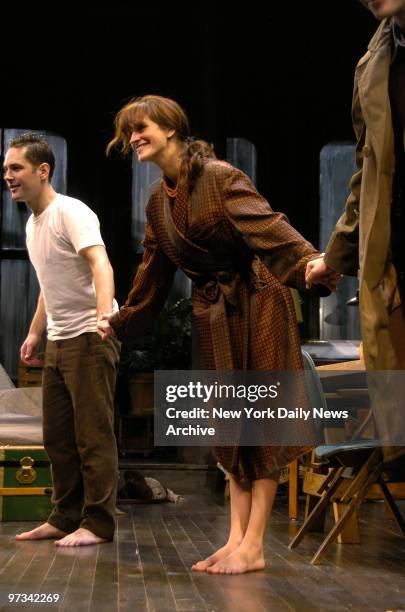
point(315, 392)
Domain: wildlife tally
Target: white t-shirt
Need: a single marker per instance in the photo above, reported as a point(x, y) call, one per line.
point(54, 239)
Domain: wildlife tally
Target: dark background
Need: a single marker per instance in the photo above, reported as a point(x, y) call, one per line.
point(280, 76)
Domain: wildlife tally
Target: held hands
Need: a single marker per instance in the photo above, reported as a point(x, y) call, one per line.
point(104, 328)
point(318, 272)
point(29, 350)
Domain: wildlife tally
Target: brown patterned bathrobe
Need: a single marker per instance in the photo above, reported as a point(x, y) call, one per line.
point(244, 315)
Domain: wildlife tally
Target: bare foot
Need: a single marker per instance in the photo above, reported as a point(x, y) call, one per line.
point(220, 554)
point(240, 561)
point(43, 532)
point(80, 537)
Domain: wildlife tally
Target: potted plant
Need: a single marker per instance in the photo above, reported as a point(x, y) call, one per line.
point(166, 347)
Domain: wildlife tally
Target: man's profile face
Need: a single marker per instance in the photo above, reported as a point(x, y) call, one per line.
point(384, 8)
point(24, 180)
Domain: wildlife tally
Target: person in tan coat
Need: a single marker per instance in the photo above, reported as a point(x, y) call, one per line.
point(207, 218)
point(368, 238)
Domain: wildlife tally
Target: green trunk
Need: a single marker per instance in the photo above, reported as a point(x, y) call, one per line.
point(34, 474)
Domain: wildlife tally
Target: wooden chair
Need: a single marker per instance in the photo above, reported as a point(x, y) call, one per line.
point(355, 468)
point(356, 471)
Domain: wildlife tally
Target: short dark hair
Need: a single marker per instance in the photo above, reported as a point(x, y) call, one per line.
point(38, 149)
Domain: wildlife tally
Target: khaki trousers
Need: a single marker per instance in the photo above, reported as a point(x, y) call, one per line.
point(78, 407)
point(397, 333)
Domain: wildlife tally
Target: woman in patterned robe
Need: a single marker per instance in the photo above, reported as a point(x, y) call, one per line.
point(207, 218)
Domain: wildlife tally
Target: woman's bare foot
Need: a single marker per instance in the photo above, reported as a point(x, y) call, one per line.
point(240, 561)
point(43, 532)
point(218, 555)
point(80, 537)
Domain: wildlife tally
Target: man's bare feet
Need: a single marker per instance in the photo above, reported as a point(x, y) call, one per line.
point(43, 532)
point(218, 555)
point(240, 561)
point(80, 537)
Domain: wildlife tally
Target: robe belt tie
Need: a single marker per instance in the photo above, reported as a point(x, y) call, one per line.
point(228, 295)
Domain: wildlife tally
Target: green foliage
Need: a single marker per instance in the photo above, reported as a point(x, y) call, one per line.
point(166, 347)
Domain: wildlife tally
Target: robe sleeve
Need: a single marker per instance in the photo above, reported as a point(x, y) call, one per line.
point(150, 289)
point(283, 250)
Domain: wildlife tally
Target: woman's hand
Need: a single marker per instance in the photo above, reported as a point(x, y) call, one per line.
point(104, 328)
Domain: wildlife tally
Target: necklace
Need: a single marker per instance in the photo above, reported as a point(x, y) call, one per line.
point(171, 191)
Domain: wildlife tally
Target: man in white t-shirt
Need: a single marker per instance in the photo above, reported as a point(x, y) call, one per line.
point(77, 287)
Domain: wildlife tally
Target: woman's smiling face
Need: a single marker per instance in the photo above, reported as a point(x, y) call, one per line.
point(148, 140)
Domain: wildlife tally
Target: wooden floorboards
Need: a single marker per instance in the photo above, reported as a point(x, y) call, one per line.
point(147, 567)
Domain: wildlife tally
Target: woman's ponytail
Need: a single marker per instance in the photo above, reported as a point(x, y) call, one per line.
point(195, 155)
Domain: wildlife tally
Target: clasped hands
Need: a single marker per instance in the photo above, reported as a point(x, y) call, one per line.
point(104, 328)
point(319, 273)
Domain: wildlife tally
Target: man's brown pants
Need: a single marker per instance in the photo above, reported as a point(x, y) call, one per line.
point(78, 405)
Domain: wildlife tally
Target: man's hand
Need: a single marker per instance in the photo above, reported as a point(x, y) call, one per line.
point(104, 328)
point(319, 273)
point(29, 350)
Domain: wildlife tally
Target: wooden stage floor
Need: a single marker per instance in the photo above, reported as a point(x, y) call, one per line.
point(147, 567)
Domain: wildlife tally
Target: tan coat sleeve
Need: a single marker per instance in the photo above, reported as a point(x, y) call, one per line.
point(283, 250)
point(150, 288)
point(342, 252)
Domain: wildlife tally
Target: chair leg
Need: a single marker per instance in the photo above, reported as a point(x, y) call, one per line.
point(350, 532)
point(351, 508)
point(392, 505)
point(293, 490)
point(326, 483)
point(362, 475)
point(320, 506)
point(319, 525)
